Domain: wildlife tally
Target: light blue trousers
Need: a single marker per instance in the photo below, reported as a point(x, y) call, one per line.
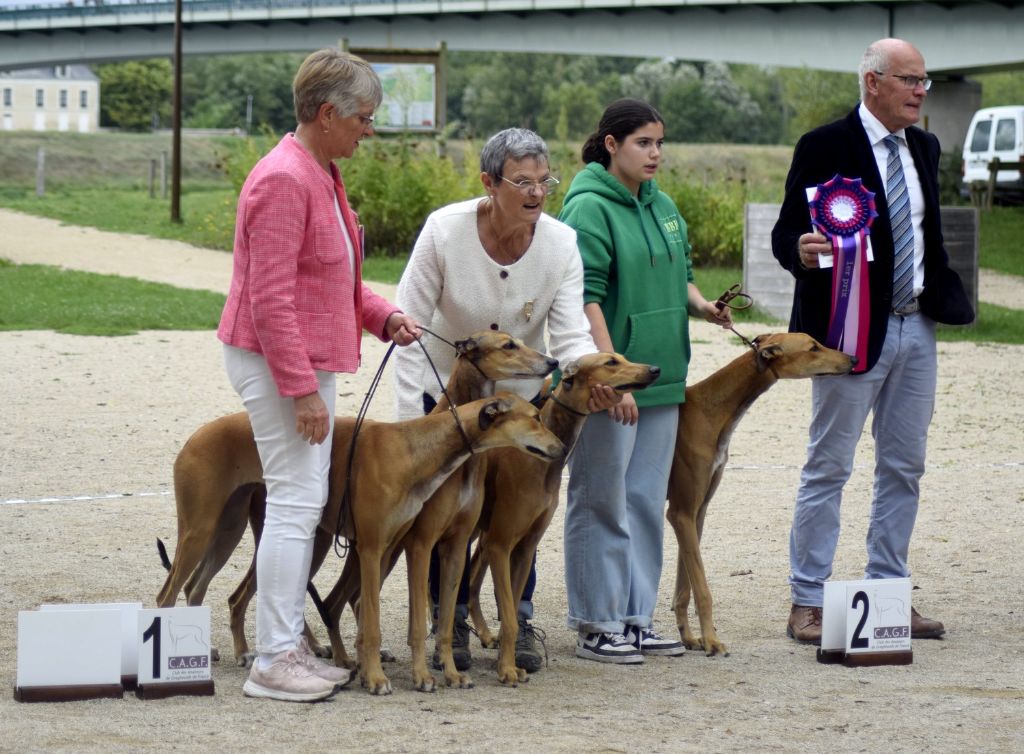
point(900, 390)
point(614, 519)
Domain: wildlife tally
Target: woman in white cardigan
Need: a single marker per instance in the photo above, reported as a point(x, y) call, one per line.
point(494, 262)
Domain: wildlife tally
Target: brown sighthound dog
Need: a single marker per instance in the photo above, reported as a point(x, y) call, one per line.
point(218, 480)
point(707, 419)
point(397, 467)
point(522, 495)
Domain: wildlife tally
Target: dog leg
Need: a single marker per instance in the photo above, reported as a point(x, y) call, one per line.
point(498, 556)
point(477, 572)
point(343, 593)
point(371, 674)
point(452, 554)
point(691, 570)
point(417, 558)
point(238, 604)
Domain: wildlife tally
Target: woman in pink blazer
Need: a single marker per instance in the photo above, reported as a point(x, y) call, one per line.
point(293, 318)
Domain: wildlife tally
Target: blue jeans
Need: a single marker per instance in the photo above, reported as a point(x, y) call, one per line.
point(900, 390)
point(615, 519)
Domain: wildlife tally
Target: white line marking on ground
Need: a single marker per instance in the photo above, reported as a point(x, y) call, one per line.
point(565, 473)
point(86, 498)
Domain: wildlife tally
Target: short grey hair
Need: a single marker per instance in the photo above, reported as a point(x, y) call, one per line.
point(337, 78)
point(514, 144)
point(876, 58)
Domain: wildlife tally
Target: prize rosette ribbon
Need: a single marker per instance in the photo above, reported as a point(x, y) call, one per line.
point(843, 210)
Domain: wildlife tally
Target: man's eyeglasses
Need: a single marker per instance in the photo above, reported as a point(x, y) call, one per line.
point(548, 184)
point(910, 82)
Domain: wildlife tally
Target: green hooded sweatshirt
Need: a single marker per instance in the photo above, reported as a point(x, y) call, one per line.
point(636, 266)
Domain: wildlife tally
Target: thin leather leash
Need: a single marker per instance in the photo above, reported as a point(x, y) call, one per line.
point(340, 543)
point(733, 292)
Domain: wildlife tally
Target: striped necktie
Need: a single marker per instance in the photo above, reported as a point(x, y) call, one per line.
point(902, 228)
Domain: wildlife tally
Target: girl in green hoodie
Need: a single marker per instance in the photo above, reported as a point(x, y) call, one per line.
point(638, 292)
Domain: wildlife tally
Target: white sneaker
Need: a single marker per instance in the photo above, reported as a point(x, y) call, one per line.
point(338, 676)
point(650, 642)
point(288, 679)
point(607, 647)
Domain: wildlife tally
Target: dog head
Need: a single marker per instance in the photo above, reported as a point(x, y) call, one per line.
point(795, 355)
point(611, 369)
point(499, 356)
point(506, 420)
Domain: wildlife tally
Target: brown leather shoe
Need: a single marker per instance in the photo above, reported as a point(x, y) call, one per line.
point(804, 624)
point(924, 628)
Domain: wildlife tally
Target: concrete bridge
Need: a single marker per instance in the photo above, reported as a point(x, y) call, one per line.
point(957, 37)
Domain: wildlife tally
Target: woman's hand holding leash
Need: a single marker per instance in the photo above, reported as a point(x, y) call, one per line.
point(402, 329)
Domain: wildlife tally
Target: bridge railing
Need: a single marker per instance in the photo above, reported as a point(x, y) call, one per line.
point(139, 11)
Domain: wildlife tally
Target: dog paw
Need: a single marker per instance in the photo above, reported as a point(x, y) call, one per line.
point(214, 654)
point(713, 647)
point(458, 681)
point(386, 655)
point(513, 677)
point(245, 660)
point(426, 684)
point(376, 683)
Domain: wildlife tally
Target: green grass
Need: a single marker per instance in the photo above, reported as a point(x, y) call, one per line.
point(38, 297)
point(1002, 237)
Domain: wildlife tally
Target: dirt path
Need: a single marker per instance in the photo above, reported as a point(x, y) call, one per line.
point(94, 425)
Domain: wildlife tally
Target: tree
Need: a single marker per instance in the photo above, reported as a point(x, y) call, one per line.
point(136, 94)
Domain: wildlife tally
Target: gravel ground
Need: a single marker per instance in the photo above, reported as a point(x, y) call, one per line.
point(85, 475)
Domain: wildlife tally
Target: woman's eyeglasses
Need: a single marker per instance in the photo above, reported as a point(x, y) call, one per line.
point(548, 184)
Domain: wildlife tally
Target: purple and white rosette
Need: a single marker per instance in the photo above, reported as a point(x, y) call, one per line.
point(843, 210)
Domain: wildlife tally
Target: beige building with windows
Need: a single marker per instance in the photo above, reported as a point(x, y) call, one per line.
point(58, 98)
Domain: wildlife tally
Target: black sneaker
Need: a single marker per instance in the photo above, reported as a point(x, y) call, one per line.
point(460, 646)
point(650, 642)
point(527, 655)
point(602, 647)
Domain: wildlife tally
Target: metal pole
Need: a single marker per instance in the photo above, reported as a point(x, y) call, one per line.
point(248, 115)
point(176, 121)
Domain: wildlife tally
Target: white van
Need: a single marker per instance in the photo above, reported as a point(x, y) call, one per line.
point(994, 132)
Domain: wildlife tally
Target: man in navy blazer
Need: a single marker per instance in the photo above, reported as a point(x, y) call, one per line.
point(897, 374)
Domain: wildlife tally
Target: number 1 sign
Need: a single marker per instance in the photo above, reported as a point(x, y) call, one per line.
point(174, 652)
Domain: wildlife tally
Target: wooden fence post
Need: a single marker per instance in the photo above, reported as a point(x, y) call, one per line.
point(40, 171)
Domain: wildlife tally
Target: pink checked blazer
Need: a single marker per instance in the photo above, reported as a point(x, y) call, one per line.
point(294, 297)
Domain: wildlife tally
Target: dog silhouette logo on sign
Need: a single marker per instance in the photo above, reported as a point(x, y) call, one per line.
point(186, 638)
point(890, 608)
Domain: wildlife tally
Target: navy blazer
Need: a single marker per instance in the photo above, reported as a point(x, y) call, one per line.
point(842, 147)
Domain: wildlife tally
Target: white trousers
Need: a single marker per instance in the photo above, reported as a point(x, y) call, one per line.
point(296, 474)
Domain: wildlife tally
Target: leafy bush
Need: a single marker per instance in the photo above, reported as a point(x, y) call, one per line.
point(714, 217)
point(393, 185)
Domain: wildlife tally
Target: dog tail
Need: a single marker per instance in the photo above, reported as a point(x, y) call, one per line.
point(318, 601)
point(163, 554)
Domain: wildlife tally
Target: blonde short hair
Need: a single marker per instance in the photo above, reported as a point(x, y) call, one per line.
point(337, 78)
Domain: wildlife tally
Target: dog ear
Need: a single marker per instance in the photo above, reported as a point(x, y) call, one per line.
point(569, 372)
point(463, 347)
point(491, 411)
point(766, 354)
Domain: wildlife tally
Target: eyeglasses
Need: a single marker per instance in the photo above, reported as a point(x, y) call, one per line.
point(366, 120)
point(548, 184)
point(910, 82)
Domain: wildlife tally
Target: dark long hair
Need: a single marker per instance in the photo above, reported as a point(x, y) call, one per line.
point(620, 119)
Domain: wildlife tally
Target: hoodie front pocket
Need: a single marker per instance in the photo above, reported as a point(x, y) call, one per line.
point(659, 337)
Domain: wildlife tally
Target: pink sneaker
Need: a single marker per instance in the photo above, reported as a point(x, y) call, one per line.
point(338, 676)
point(288, 679)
